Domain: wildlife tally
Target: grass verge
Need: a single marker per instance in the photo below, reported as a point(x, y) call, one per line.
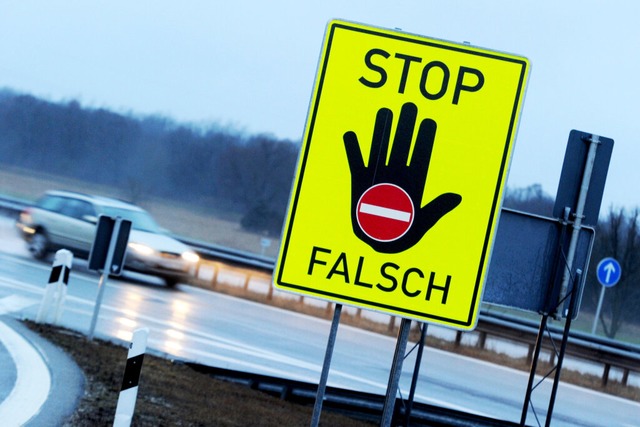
point(171, 393)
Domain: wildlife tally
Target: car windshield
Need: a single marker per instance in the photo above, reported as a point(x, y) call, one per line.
point(140, 220)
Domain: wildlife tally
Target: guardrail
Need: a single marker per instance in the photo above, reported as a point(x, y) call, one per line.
point(12, 206)
point(233, 256)
point(355, 404)
point(609, 353)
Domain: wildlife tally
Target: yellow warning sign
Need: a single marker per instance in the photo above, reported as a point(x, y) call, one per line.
point(400, 178)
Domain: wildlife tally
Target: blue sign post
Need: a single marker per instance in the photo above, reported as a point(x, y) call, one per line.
point(609, 273)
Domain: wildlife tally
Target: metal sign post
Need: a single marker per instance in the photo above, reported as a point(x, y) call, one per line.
point(322, 384)
point(580, 204)
point(416, 372)
point(116, 244)
point(579, 215)
point(565, 338)
point(580, 190)
point(396, 370)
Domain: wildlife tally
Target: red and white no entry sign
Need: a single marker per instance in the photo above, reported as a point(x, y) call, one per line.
point(385, 212)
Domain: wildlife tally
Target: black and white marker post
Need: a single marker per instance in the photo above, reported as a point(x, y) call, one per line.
point(129, 389)
point(56, 290)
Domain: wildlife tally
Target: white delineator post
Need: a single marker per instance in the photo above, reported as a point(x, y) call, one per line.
point(56, 290)
point(129, 389)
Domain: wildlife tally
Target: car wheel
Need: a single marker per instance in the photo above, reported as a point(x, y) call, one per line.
point(170, 282)
point(39, 245)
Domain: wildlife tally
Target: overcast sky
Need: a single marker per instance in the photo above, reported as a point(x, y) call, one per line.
point(252, 64)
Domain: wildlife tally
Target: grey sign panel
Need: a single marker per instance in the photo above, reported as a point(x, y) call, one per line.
point(100, 247)
point(122, 240)
point(524, 265)
point(102, 241)
point(572, 171)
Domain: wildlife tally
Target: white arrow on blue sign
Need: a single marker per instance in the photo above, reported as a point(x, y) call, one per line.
point(609, 272)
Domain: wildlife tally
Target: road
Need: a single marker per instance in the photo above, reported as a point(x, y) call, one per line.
point(218, 330)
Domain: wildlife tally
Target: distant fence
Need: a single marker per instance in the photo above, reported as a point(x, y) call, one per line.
point(611, 355)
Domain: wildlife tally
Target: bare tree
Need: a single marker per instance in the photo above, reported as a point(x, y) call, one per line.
point(258, 175)
point(211, 167)
point(530, 199)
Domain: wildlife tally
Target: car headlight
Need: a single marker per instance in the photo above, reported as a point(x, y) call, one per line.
point(141, 249)
point(190, 256)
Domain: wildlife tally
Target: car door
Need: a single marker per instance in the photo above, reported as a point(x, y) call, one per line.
point(48, 215)
point(77, 225)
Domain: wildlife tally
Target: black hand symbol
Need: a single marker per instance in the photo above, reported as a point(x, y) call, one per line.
point(411, 179)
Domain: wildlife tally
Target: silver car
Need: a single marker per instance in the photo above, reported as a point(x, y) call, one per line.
point(63, 219)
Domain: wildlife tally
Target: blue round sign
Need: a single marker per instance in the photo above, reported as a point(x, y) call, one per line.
point(609, 272)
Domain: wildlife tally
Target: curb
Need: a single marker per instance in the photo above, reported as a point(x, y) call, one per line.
point(66, 380)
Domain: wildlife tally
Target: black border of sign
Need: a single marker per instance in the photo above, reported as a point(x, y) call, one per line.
point(494, 208)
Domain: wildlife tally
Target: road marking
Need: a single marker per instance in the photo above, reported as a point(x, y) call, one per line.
point(265, 355)
point(15, 302)
point(33, 380)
